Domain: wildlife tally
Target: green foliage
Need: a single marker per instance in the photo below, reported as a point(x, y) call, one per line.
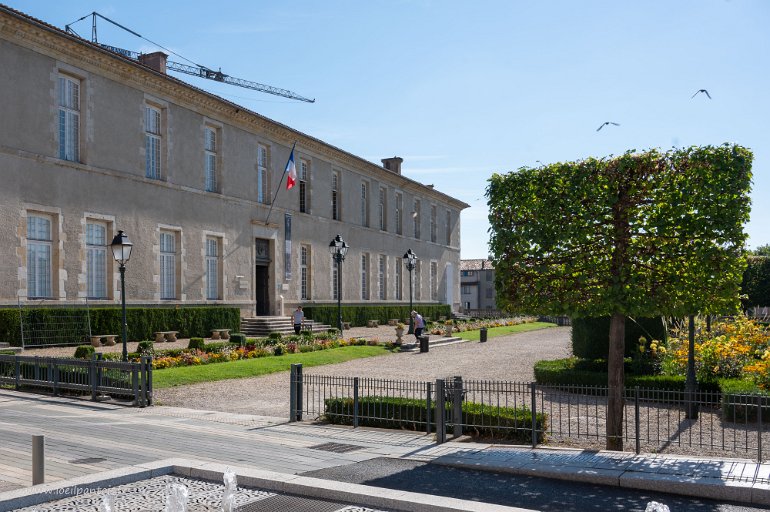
point(590, 336)
point(142, 322)
point(756, 282)
point(512, 424)
point(277, 336)
point(279, 349)
point(238, 338)
point(642, 234)
point(742, 399)
point(146, 347)
point(357, 316)
point(197, 344)
point(762, 250)
point(84, 352)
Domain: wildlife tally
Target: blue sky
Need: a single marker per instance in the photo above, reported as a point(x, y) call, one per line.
point(463, 89)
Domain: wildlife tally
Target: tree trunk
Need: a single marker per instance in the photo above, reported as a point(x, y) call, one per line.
point(616, 382)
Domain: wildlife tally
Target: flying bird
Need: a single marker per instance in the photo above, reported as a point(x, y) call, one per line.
point(704, 91)
point(605, 123)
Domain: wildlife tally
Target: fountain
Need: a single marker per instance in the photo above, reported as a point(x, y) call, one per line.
point(176, 498)
point(654, 506)
point(108, 503)
point(231, 489)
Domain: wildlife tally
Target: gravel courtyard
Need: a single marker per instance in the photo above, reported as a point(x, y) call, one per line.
point(501, 358)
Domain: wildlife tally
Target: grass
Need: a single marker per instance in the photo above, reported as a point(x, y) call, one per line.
point(505, 330)
point(260, 366)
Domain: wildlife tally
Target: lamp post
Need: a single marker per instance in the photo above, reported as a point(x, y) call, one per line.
point(410, 260)
point(121, 251)
point(338, 249)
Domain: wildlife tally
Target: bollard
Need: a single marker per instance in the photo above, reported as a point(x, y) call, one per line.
point(483, 335)
point(424, 343)
point(38, 460)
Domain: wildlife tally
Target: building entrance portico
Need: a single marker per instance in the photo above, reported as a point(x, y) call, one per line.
point(262, 263)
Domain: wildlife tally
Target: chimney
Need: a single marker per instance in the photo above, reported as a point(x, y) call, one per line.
point(393, 164)
point(155, 60)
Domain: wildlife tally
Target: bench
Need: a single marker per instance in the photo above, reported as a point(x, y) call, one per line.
point(393, 322)
point(109, 339)
point(162, 336)
point(346, 326)
point(372, 323)
point(220, 334)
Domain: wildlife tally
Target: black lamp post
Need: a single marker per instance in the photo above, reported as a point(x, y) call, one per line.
point(410, 260)
point(121, 251)
point(338, 249)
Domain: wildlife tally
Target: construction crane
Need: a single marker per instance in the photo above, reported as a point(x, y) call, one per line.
point(194, 70)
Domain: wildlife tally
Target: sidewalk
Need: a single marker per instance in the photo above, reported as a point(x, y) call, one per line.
point(84, 438)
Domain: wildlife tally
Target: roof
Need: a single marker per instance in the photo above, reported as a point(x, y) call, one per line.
point(476, 265)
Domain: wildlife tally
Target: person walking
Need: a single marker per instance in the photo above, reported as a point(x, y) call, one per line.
point(419, 325)
point(298, 317)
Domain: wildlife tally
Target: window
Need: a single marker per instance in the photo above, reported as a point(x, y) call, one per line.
point(490, 276)
point(399, 210)
point(152, 141)
point(167, 265)
point(210, 155)
point(433, 223)
point(69, 119)
point(364, 277)
point(466, 290)
point(433, 281)
point(39, 243)
point(365, 205)
point(263, 192)
point(382, 278)
point(335, 195)
point(382, 209)
point(335, 281)
point(399, 282)
point(96, 260)
point(212, 268)
point(416, 218)
point(490, 293)
point(304, 272)
point(304, 191)
point(417, 279)
point(467, 273)
point(448, 227)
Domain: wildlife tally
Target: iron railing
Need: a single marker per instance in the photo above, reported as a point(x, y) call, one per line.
point(654, 421)
point(99, 378)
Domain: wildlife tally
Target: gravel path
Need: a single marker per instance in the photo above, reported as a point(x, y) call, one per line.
point(502, 358)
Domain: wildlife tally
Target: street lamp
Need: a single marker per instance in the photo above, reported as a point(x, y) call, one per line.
point(338, 249)
point(121, 251)
point(410, 260)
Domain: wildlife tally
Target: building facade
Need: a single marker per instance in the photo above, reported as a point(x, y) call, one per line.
point(95, 142)
point(477, 287)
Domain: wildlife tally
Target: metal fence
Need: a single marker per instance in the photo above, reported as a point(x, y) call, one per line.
point(97, 378)
point(654, 421)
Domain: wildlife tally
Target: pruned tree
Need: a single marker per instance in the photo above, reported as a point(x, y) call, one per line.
point(642, 234)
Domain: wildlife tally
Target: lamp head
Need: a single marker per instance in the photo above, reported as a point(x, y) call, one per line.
point(121, 248)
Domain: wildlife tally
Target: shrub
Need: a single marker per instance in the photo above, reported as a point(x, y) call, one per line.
point(238, 338)
point(306, 348)
point(756, 282)
point(591, 336)
point(277, 336)
point(279, 349)
point(358, 316)
point(197, 344)
point(84, 352)
point(146, 347)
point(741, 399)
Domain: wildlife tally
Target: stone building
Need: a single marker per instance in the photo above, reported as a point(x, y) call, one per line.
point(477, 287)
point(94, 142)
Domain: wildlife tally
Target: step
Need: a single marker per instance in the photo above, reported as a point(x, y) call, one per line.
point(433, 342)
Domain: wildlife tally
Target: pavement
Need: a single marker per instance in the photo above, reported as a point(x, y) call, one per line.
point(84, 438)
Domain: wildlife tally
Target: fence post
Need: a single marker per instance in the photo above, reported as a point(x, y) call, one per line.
point(440, 411)
point(17, 370)
point(37, 369)
point(534, 414)
point(457, 406)
point(355, 402)
point(92, 376)
point(143, 380)
point(99, 370)
point(429, 387)
point(38, 460)
point(759, 427)
point(636, 419)
point(134, 368)
point(300, 383)
point(149, 380)
point(55, 371)
point(293, 393)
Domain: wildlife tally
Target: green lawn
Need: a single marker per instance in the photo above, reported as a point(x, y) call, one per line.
point(502, 331)
point(260, 366)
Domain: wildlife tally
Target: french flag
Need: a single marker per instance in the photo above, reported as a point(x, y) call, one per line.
point(291, 169)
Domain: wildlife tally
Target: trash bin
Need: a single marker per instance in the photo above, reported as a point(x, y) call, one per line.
point(483, 335)
point(424, 343)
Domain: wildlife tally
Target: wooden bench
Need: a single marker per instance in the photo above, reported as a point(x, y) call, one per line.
point(220, 334)
point(162, 336)
point(109, 339)
point(372, 323)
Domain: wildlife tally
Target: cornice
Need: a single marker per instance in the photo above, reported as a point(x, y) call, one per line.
point(78, 52)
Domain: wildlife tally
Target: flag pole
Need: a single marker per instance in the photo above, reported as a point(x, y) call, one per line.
point(278, 188)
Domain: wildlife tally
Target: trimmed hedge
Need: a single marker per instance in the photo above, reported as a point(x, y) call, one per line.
point(357, 316)
point(756, 282)
point(142, 322)
point(591, 336)
point(741, 400)
point(513, 424)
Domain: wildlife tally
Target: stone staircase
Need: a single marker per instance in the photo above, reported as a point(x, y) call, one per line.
point(262, 326)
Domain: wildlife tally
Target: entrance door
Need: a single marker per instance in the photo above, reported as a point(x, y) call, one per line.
point(261, 290)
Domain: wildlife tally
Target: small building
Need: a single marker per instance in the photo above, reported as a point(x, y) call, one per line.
point(477, 288)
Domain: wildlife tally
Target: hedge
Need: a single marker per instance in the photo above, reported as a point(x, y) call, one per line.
point(486, 421)
point(740, 401)
point(142, 322)
point(591, 336)
point(357, 316)
point(756, 282)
